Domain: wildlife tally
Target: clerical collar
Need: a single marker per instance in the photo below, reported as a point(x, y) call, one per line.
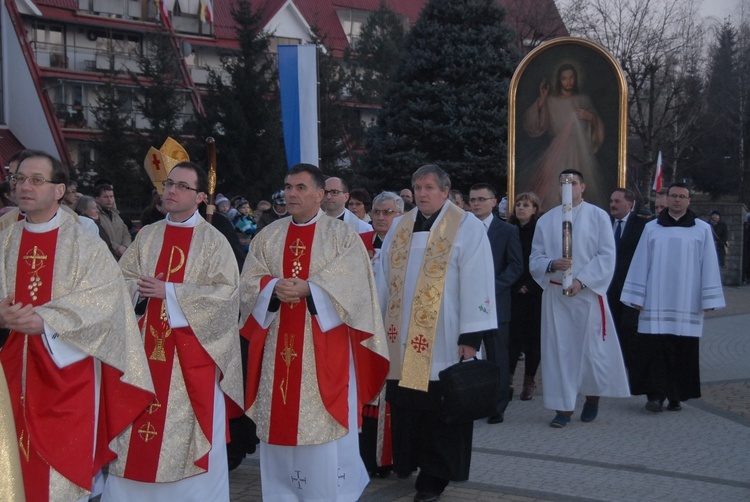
point(341, 216)
point(666, 220)
point(40, 228)
point(189, 223)
point(424, 224)
point(377, 242)
point(314, 219)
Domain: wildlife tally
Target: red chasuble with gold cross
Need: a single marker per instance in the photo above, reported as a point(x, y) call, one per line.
point(54, 407)
point(163, 344)
point(331, 353)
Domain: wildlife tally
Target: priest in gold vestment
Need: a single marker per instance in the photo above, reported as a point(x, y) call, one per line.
point(176, 449)
point(74, 364)
point(317, 347)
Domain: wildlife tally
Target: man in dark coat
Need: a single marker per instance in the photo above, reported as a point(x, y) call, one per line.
point(508, 261)
point(627, 228)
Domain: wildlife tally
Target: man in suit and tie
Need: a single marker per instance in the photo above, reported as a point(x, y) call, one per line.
point(627, 228)
point(508, 261)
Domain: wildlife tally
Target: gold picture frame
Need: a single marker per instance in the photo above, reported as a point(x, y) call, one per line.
point(543, 139)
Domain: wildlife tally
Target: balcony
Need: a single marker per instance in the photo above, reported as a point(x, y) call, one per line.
point(84, 59)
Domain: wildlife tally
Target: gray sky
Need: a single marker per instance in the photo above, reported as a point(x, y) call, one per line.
point(720, 9)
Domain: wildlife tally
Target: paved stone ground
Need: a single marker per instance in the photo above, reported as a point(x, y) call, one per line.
point(627, 454)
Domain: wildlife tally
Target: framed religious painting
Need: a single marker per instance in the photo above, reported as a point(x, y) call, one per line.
point(567, 110)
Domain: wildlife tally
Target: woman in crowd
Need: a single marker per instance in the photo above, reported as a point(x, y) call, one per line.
point(360, 203)
point(86, 207)
point(526, 297)
point(5, 203)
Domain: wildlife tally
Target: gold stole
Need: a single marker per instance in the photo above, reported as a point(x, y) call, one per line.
point(423, 322)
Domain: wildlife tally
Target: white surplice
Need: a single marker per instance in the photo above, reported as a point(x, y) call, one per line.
point(675, 276)
point(580, 350)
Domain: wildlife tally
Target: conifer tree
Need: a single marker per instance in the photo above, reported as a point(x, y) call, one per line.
point(159, 99)
point(373, 59)
point(715, 160)
point(114, 146)
point(448, 101)
point(242, 112)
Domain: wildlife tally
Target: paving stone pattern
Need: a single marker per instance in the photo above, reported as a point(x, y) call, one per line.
point(627, 454)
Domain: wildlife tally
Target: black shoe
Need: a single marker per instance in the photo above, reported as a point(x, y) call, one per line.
point(426, 497)
point(589, 412)
point(674, 406)
point(496, 419)
point(654, 406)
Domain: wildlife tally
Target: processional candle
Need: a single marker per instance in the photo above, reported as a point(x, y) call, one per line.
point(566, 180)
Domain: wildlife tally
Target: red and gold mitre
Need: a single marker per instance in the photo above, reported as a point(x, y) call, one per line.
point(159, 163)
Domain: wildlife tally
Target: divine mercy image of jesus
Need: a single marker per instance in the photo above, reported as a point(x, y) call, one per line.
point(576, 132)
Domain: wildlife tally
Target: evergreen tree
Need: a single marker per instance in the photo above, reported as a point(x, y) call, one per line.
point(715, 164)
point(375, 57)
point(448, 102)
point(115, 152)
point(339, 126)
point(242, 113)
point(158, 98)
point(743, 71)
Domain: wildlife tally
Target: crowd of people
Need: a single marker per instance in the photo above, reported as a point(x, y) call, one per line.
point(123, 349)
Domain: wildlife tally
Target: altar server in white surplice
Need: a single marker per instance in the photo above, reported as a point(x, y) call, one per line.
point(580, 350)
point(674, 277)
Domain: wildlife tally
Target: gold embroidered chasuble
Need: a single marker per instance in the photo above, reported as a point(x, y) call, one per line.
point(209, 299)
point(90, 309)
point(10, 462)
point(340, 266)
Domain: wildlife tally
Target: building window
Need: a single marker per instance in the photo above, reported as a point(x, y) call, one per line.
point(351, 22)
point(275, 42)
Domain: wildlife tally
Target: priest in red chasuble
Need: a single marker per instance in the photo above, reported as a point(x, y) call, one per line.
point(176, 449)
point(74, 363)
point(317, 347)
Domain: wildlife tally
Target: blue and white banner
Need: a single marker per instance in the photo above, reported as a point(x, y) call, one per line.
point(298, 80)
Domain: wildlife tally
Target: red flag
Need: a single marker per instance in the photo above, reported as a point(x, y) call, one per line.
point(658, 174)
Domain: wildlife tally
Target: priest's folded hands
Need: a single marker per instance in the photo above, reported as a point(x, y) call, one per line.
point(291, 290)
point(21, 318)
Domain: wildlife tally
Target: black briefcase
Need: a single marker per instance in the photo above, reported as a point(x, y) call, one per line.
point(469, 390)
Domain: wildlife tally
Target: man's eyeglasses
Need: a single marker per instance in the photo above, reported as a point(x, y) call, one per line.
point(679, 196)
point(480, 199)
point(384, 212)
point(180, 185)
point(334, 193)
point(19, 179)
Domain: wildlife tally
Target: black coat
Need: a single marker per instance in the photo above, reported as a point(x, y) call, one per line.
point(508, 262)
point(625, 250)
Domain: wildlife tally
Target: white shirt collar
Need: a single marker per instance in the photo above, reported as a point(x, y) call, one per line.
point(189, 223)
point(40, 228)
point(314, 220)
point(487, 221)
